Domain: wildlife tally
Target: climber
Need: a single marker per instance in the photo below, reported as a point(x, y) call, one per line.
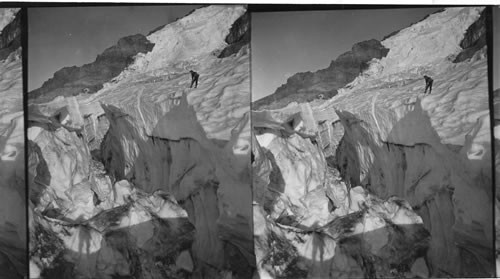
point(428, 84)
point(194, 79)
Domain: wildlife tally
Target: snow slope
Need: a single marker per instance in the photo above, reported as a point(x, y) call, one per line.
point(460, 91)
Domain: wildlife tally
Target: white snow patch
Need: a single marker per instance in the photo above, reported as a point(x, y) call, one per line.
point(265, 139)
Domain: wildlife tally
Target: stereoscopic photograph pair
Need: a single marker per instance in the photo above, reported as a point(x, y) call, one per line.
point(249, 141)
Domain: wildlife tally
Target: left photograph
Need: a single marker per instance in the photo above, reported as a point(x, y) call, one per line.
point(139, 142)
point(13, 242)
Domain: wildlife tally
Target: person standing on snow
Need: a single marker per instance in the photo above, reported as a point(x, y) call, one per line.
point(194, 78)
point(428, 84)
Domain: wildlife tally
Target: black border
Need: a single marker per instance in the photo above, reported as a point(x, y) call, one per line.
point(258, 8)
point(24, 56)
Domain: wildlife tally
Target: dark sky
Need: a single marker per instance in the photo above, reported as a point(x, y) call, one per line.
point(73, 36)
point(284, 43)
point(496, 47)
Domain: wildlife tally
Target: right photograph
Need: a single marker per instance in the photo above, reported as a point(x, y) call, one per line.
point(371, 143)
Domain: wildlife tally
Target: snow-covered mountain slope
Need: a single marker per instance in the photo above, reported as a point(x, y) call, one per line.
point(459, 95)
point(149, 85)
point(427, 42)
point(145, 135)
point(383, 133)
point(12, 184)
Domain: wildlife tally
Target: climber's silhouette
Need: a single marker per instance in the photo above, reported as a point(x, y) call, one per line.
point(428, 84)
point(194, 79)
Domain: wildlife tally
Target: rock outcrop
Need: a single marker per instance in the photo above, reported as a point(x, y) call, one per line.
point(89, 78)
point(238, 36)
point(474, 39)
point(305, 87)
point(10, 38)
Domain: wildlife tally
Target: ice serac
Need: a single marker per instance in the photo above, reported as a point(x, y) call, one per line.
point(149, 162)
point(430, 154)
point(12, 181)
point(325, 229)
